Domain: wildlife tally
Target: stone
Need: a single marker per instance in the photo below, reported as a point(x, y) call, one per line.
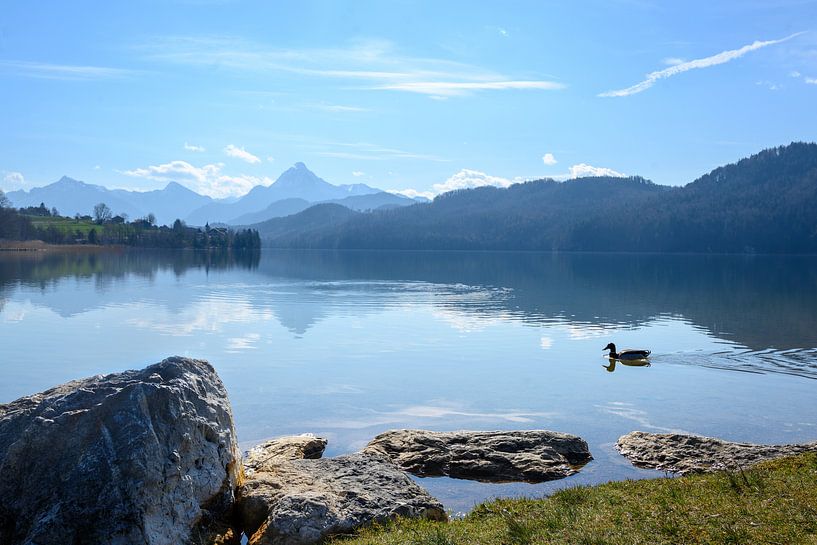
point(145, 457)
point(682, 454)
point(490, 456)
point(291, 447)
point(298, 502)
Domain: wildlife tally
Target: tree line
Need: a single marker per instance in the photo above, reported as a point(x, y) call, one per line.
point(105, 228)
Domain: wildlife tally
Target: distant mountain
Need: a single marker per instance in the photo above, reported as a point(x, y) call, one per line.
point(71, 197)
point(766, 203)
point(297, 182)
point(287, 207)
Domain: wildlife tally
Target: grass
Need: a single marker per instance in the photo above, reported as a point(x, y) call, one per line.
point(770, 503)
point(69, 225)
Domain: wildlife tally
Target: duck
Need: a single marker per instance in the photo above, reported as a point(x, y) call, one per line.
point(627, 353)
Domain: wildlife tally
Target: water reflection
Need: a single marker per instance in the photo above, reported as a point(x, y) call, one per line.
point(745, 301)
point(611, 365)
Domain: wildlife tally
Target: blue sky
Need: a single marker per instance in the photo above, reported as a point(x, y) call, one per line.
point(419, 96)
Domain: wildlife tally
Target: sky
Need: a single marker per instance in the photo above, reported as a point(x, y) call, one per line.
point(412, 96)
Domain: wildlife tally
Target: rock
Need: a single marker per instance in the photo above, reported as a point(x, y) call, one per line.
point(291, 447)
point(145, 457)
point(493, 456)
point(298, 502)
point(683, 454)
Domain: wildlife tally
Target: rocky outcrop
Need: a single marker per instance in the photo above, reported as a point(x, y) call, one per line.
point(497, 456)
point(683, 454)
point(145, 457)
point(301, 501)
point(291, 447)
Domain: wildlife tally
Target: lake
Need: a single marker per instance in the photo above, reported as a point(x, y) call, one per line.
point(349, 344)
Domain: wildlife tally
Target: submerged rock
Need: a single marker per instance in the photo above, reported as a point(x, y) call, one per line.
point(494, 456)
point(301, 501)
point(291, 447)
point(144, 457)
point(683, 454)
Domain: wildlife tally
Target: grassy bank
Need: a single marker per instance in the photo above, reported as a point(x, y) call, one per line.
point(773, 503)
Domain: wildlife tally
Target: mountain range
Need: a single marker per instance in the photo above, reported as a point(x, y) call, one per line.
point(295, 190)
point(766, 203)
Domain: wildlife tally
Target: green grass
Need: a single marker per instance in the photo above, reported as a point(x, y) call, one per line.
point(771, 503)
point(64, 224)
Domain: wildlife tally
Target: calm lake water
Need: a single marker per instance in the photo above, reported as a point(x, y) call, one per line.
point(349, 344)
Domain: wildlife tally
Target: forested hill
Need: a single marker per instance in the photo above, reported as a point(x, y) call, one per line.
point(765, 203)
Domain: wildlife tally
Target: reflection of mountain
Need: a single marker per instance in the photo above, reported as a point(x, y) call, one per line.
point(760, 302)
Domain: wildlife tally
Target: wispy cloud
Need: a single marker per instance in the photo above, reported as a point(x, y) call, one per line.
point(457, 88)
point(377, 62)
point(364, 151)
point(241, 153)
point(63, 71)
point(337, 108)
point(206, 180)
point(706, 62)
point(193, 147)
point(549, 159)
point(358, 173)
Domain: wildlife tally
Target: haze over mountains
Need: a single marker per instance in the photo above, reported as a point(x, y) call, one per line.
point(295, 190)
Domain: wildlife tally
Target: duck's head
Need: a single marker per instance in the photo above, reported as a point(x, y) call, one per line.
point(610, 347)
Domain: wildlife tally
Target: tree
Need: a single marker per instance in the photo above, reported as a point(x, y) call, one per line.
point(4, 201)
point(54, 211)
point(102, 213)
point(151, 219)
point(92, 238)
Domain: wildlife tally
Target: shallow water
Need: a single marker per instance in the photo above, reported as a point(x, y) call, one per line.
point(349, 344)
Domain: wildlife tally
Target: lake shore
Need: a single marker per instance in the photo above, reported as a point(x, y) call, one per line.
point(772, 502)
point(40, 246)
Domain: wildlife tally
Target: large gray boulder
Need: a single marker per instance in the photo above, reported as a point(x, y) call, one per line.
point(289, 501)
point(146, 457)
point(680, 453)
point(488, 456)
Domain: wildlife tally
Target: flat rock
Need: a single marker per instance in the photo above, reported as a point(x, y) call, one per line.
point(680, 453)
point(297, 502)
point(145, 457)
point(493, 456)
point(291, 447)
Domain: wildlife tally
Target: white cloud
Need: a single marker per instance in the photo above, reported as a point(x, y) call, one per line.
point(549, 159)
point(672, 61)
point(241, 153)
point(583, 170)
point(358, 173)
point(795, 74)
point(206, 180)
point(193, 147)
point(503, 32)
point(770, 85)
point(13, 181)
point(706, 62)
point(812, 81)
point(373, 61)
point(443, 89)
point(97, 167)
point(270, 159)
point(467, 178)
point(63, 71)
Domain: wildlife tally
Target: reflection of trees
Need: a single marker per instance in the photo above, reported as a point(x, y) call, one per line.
point(756, 301)
point(760, 302)
point(45, 269)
